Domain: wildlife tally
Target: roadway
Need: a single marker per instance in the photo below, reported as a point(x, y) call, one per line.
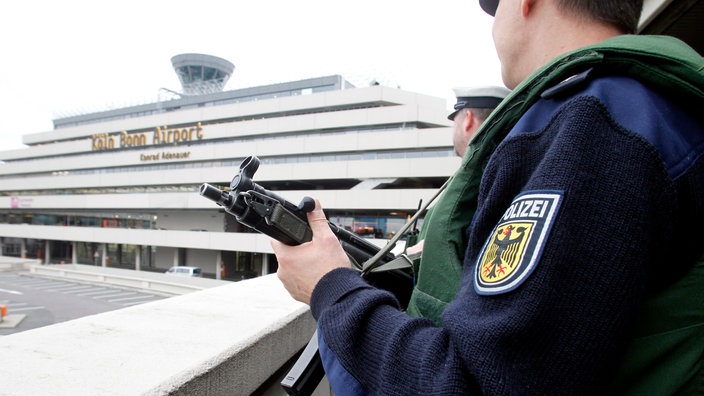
point(47, 301)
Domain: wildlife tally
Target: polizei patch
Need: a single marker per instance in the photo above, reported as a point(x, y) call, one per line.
point(514, 247)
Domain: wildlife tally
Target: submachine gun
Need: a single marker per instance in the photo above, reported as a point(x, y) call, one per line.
point(270, 214)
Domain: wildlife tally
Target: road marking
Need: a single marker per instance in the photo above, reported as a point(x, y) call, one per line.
point(12, 309)
point(127, 304)
point(10, 291)
point(98, 293)
point(100, 290)
point(76, 289)
point(142, 297)
point(37, 282)
point(52, 287)
point(63, 288)
point(89, 289)
point(112, 295)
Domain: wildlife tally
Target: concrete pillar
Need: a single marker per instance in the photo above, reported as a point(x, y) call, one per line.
point(104, 254)
point(74, 253)
point(138, 258)
point(23, 248)
point(119, 254)
point(265, 264)
point(175, 261)
point(218, 265)
point(237, 264)
point(47, 252)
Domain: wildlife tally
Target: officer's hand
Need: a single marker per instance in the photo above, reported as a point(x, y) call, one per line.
point(302, 266)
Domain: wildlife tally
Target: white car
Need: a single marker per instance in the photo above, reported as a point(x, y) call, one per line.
point(185, 271)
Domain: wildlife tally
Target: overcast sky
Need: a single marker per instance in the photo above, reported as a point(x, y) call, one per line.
point(73, 56)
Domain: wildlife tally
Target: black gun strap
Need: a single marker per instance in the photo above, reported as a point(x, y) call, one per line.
point(373, 262)
point(399, 262)
point(306, 373)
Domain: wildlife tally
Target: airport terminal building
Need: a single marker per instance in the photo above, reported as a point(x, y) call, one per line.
point(121, 187)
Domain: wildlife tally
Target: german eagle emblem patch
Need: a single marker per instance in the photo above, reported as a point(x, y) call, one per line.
point(516, 243)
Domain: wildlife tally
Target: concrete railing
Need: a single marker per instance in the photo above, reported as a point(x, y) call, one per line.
point(15, 263)
point(116, 277)
point(226, 340)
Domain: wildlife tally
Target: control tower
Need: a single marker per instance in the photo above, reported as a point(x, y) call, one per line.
point(202, 74)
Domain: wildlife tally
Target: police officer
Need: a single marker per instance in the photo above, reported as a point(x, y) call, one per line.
point(437, 279)
point(474, 104)
point(582, 270)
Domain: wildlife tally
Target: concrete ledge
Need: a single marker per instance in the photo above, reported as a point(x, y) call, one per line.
point(11, 321)
point(223, 340)
point(15, 263)
point(141, 280)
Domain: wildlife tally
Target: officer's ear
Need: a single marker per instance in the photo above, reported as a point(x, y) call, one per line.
point(527, 7)
point(468, 120)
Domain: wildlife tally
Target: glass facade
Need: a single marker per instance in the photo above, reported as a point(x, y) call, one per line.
point(112, 220)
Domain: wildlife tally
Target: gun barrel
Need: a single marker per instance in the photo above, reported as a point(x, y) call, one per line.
point(222, 198)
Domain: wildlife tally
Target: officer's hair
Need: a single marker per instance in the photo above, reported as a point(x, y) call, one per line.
point(623, 14)
point(481, 114)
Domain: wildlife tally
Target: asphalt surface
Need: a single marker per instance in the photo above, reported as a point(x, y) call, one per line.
point(39, 302)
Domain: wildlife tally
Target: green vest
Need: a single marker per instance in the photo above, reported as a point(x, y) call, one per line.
point(666, 355)
point(665, 64)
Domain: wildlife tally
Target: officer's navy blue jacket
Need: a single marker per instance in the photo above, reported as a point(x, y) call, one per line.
point(591, 203)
